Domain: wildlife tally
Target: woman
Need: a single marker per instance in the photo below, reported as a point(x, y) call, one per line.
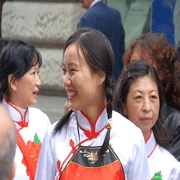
point(154, 48)
point(91, 141)
point(138, 96)
point(19, 85)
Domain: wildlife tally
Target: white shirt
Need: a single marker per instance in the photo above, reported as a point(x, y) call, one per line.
point(161, 162)
point(126, 141)
point(37, 125)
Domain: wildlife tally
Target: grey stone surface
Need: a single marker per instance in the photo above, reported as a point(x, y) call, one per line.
point(53, 106)
point(40, 22)
point(47, 25)
point(51, 71)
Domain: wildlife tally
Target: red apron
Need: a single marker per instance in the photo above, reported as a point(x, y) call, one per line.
point(85, 165)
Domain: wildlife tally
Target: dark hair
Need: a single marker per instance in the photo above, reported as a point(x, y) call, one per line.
point(16, 58)
point(130, 73)
point(178, 50)
point(99, 55)
point(156, 50)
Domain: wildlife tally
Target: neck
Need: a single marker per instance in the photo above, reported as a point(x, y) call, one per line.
point(94, 112)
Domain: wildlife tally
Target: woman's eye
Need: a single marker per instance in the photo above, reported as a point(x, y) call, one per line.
point(64, 71)
point(138, 97)
point(153, 97)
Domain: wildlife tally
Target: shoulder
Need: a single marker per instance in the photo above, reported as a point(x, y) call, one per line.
point(105, 7)
point(122, 125)
point(172, 112)
point(101, 10)
point(39, 115)
point(172, 119)
point(165, 154)
point(36, 111)
point(122, 121)
point(50, 131)
point(163, 161)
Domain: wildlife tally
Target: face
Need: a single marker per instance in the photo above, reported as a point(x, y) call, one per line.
point(26, 88)
point(82, 85)
point(86, 3)
point(143, 104)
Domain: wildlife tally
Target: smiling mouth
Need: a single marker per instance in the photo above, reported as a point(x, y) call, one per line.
point(71, 96)
point(36, 92)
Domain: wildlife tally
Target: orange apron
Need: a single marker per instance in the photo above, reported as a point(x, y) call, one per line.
point(85, 165)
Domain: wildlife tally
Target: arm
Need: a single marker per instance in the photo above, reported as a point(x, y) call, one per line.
point(46, 166)
point(139, 169)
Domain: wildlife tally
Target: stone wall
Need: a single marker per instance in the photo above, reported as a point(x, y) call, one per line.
point(47, 25)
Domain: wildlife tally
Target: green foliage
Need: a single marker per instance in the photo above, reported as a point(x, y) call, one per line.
point(36, 139)
point(157, 176)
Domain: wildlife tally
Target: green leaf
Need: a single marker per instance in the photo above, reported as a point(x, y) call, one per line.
point(157, 176)
point(36, 139)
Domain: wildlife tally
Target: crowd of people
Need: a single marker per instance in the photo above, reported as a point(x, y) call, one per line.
point(122, 119)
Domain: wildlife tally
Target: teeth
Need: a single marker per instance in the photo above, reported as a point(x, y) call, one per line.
point(70, 95)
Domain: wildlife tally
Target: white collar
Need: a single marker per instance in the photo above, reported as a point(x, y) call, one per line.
point(151, 144)
point(16, 114)
point(94, 2)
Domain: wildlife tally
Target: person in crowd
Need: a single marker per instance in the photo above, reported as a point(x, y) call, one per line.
point(7, 146)
point(154, 48)
point(19, 86)
point(91, 141)
point(107, 20)
point(139, 97)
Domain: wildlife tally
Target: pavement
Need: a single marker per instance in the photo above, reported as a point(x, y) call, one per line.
point(53, 106)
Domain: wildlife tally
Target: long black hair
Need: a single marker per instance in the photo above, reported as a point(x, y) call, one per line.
point(99, 55)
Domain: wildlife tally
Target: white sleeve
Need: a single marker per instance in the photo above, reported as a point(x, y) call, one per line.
point(46, 168)
point(140, 168)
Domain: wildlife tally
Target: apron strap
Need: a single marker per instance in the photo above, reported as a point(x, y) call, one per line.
point(25, 152)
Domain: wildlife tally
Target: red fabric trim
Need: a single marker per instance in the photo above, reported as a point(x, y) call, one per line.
point(148, 136)
point(152, 151)
point(23, 122)
point(25, 152)
point(90, 122)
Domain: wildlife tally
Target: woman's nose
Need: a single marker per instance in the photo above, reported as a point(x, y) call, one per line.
point(38, 81)
point(66, 80)
point(146, 105)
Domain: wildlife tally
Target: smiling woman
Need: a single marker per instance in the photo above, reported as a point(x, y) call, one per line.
point(85, 142)
point(19, 85)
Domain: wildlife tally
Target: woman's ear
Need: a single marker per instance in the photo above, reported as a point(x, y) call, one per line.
point(124, 110)
point(12, 82)
point(101, 77)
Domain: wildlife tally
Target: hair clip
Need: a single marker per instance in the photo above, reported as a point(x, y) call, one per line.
point(109, 124)
point(127, 72)
point(129, 75)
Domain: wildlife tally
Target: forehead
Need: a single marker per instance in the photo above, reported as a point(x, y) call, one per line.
point(145, 83)
point(73, 55)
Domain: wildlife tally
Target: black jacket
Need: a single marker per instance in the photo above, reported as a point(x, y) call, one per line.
point(172, 125)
